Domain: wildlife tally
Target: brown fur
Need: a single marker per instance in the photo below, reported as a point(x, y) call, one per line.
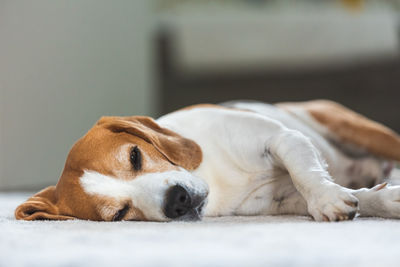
point(99, 150)
point(351, 127)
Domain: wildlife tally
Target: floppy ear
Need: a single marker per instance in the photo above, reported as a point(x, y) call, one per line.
point(40, 207)
point(177, 149)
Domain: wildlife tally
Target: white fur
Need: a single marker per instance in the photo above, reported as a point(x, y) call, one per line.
point(147, 192)
point(246, 155)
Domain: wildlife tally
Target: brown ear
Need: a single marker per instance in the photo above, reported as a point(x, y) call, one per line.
point(177, 149)
point(40, 207)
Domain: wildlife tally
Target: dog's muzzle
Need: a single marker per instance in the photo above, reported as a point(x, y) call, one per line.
point(183, 204)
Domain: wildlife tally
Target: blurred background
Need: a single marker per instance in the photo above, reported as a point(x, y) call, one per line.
point(63, 64)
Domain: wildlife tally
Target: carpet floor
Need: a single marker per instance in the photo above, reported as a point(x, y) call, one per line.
point(223, 241)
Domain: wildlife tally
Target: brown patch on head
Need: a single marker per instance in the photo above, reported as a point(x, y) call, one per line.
point(106, 149)
point(178, 150)
point(351, 127)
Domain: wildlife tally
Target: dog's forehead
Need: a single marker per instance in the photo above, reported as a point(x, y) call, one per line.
point(98, 139)
point(102, 146)
point(108, 153)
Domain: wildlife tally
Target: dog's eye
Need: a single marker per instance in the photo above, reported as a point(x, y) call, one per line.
point(120, 214)
point(136, 158)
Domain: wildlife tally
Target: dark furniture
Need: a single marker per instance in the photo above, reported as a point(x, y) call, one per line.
point(371, 88)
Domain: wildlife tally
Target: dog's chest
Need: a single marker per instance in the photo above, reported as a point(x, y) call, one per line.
point(242, 176)
point(236, 192)
point(258, 197)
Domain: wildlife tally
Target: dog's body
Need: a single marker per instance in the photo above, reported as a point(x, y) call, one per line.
point(255, 159)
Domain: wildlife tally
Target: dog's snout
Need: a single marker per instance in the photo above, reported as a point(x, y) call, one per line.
point(178, 202)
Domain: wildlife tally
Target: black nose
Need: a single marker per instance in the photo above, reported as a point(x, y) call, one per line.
point(178, 202)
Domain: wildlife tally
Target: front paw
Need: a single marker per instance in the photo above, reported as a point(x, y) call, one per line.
point(332, 203)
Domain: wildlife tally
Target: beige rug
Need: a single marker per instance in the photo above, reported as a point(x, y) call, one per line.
point(224, 241)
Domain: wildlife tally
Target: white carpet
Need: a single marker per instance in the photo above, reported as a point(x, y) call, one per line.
point(225, 241)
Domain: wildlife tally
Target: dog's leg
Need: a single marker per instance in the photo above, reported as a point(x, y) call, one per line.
point(326, 201)
point(356, 173)
point(380, 201)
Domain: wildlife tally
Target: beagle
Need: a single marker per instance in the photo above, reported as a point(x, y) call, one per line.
point(314, 158)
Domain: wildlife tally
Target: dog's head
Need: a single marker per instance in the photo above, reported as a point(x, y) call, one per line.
point(124, 168)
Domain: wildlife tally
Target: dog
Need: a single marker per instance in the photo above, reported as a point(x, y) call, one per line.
point(315, 158)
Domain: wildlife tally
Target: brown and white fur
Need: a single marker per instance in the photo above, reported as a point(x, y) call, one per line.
point(313, 158)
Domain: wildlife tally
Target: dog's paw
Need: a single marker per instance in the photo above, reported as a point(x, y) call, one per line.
point(332, 203)
point(387, 199)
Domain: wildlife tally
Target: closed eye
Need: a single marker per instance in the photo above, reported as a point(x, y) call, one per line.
point(136, 158)
point(119, 215)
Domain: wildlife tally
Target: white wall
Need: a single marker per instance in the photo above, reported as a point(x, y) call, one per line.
point(63, 64)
